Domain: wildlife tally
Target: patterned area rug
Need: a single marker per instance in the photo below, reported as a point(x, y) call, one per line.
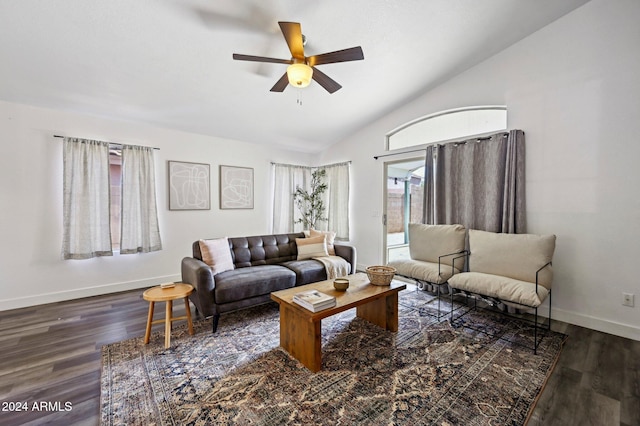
point(427, 373)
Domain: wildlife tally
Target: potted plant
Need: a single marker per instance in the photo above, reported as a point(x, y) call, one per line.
point(310, 203)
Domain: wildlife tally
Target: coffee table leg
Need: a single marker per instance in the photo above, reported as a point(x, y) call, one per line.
point(382, 312)
point(147, 333)
point(167, 324)
point(301, 338)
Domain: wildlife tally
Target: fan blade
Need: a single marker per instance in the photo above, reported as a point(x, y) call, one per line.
point(240, 57)
point(281, 84)
point(292, 33)
point(325, 81)
point(345, 55)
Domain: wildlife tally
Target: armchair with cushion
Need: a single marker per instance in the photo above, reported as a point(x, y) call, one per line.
point(436, 253)
point(512, 269)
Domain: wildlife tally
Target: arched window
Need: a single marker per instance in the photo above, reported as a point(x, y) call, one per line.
point(448, 125)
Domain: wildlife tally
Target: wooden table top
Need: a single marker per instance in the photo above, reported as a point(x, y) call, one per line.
point(360, 291)
point(159, 294)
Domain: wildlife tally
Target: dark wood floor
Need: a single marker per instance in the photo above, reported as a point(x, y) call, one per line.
point(51, 354)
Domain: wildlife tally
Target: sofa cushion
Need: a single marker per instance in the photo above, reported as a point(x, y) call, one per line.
point(428, 242)
point(307, 271)
point(500, 287)
point(263, 250)
point(243, 283)
point(516, 256)
point(311, 247)
point(216, 254)
point(425, 271)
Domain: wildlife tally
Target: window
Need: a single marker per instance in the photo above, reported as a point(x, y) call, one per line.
point(447, 125)
point(108, 200)
point(115, 185)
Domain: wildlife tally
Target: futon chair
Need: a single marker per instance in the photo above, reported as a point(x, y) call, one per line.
point(510, 269)
point(436, 253)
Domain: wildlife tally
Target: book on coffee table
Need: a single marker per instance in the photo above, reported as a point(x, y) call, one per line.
point(314, 300)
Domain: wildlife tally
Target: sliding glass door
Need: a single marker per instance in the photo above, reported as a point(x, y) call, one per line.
point(403, 205)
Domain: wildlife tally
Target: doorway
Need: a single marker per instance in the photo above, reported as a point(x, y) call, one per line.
point(403, 204)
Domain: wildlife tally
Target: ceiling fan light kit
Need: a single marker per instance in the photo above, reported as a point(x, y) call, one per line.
point(299, 75)
point(302, 69)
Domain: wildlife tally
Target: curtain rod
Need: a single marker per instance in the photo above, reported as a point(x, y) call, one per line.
point(375, 157)
point(310, 167)
point(484, 138)
point(110, 143)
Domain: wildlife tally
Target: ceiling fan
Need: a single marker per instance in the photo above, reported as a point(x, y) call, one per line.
point(302, 68)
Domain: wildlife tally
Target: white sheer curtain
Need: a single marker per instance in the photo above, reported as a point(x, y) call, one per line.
point(336, 199)
point(286, 178)
point(86, 222)
point(140, 232)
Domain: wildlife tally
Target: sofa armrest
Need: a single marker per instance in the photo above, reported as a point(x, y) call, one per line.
point(348, 253)
point(199, 275)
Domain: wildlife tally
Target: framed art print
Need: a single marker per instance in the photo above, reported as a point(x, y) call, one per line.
point(236, 187)
point(189, 186)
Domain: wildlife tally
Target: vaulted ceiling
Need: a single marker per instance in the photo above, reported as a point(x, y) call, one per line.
point(169, 62)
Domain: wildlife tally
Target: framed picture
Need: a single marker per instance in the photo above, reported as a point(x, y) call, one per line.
point(236, 187)
point(189, 186)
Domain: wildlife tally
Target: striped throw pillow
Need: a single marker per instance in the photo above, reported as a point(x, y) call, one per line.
point(311, 247)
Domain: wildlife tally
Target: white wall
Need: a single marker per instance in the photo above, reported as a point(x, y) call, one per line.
point(573, 87)
point(31, 268)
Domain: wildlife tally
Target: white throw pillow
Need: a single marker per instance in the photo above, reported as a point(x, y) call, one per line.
point(331, 237)
point(311, 247)
point(217, 255)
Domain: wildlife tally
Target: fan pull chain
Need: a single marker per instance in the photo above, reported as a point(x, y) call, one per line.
point(299, 101)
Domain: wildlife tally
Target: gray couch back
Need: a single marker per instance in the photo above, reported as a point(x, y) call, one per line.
point(259, 250)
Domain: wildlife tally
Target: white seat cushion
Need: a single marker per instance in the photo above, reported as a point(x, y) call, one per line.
point(425, 271)
point(503, 288)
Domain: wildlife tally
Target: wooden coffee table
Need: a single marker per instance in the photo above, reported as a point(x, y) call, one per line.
point(300, 329)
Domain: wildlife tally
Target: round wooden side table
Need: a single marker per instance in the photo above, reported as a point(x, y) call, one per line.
point(168, 295)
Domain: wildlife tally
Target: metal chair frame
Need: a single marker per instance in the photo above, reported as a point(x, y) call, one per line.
point(420, 284)
point(492, 301)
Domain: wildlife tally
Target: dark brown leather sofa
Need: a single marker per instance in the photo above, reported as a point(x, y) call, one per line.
point(263, 264)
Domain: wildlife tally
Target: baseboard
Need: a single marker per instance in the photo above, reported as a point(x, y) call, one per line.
point(598, 324)
point(41, 299)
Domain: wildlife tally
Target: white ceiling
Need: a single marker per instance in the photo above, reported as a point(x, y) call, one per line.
point(168, 62)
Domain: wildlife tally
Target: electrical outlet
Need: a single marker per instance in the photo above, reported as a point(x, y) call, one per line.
point(627, 299)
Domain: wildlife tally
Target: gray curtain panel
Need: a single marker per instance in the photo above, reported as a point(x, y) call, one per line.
point(86, 220)
point(336, 199)
point(479, 183)
point(514, 207)
point(140, 232)
point(428, 206)
point(286, 177)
